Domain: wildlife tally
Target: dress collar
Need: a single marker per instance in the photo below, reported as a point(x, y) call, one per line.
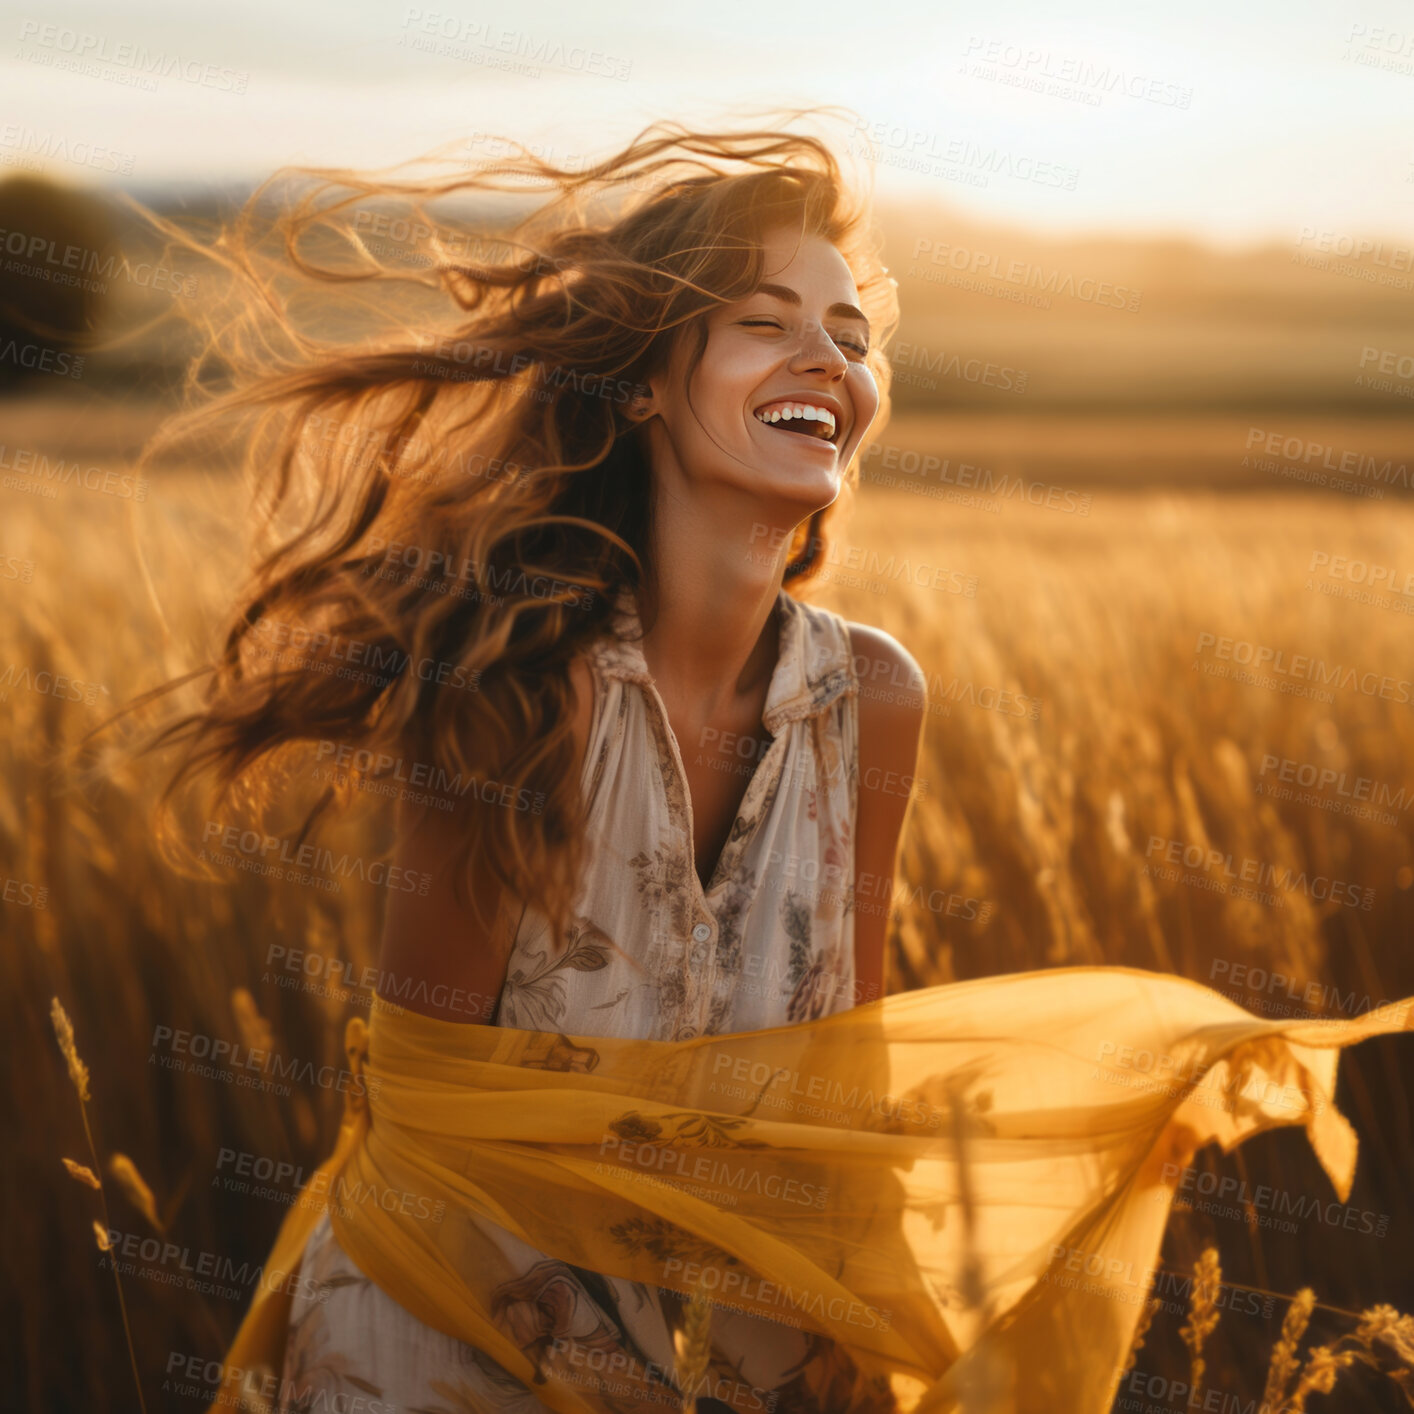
point(813, 666)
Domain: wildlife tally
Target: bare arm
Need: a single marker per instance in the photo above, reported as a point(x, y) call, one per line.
point(893, 699)
point(438, 956)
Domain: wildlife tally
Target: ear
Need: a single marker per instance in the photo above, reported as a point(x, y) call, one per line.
point(642, 405)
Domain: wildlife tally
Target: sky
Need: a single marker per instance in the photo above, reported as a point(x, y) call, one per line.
point(1236, 124)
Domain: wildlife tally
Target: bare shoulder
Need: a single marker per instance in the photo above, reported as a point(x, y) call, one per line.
point(893, 706)
point(893, 689)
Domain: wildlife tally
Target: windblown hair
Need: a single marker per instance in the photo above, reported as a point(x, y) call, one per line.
point(450, 503)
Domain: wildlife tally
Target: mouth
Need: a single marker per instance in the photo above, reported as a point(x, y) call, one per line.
point(800, 419)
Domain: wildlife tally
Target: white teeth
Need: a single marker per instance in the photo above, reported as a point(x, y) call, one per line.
point(807, 412)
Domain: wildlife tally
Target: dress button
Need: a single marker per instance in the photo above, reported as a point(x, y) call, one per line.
point(702, 932)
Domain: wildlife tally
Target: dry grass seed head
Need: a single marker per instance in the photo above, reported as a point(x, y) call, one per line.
point(1285, 1362)
point(64, 1030)
point(693, 1344)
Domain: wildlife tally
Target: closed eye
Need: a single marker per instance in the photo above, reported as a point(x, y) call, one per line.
point(860, 349)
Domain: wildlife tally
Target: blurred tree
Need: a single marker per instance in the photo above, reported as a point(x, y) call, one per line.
point(58, 257)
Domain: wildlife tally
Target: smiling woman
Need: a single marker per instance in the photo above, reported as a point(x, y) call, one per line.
point(573, 417)
point(679, 394)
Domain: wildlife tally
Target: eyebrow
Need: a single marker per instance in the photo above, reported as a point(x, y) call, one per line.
point(784, 292)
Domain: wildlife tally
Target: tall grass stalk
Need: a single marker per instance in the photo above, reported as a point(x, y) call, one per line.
point(78, 1073)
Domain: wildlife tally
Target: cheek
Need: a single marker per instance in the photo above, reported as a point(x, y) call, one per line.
point(864, 392)
point(741, 367)
point(723, 385)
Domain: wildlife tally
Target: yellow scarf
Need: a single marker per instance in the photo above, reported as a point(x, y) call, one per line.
point(966, 1187)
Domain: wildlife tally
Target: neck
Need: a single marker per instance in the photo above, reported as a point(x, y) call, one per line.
point(707, 651)
point(717, 560)
point(715, 637)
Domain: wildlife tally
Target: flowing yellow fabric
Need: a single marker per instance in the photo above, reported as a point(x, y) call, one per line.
point(965, 1187)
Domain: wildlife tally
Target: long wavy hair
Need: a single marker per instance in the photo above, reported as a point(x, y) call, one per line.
point(449, 493)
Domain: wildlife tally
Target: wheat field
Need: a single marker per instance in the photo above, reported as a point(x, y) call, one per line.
point(1097, 770)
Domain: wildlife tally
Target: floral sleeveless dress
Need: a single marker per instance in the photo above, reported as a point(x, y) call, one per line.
point(653, 955)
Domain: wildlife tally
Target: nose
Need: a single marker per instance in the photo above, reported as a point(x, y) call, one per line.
point(818, 353)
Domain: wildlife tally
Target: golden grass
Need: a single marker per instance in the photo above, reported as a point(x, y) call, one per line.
point(1284, 1363)
point(1097, 618)
point(1202, 1314)
point(1029, 847)
point(1383, 1340)
point(692, 1345)
point(79, 1075)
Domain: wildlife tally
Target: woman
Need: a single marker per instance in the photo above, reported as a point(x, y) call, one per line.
point(650, 651)
point(749, 426)
point(543, 555)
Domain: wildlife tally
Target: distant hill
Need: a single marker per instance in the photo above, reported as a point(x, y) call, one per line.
point(1137, 325)
point(1004, 320)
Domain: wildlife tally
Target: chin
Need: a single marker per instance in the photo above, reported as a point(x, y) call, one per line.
point(805, 488)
